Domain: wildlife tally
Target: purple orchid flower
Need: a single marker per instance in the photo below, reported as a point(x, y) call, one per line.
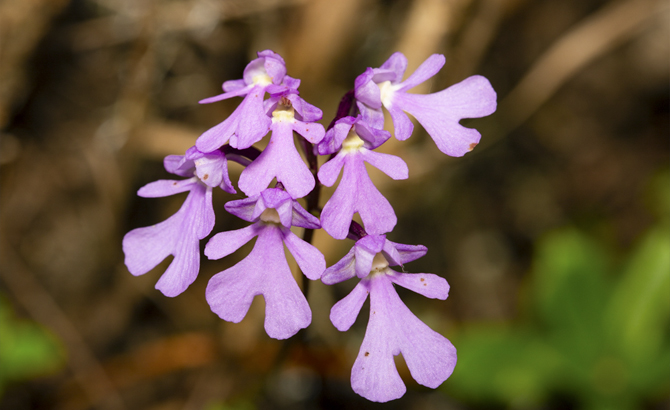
point(438, 113)
point(265, 270)
point(356, 192)
point(249, 122)
point(280, 158)
point(392, 328)
point(180, 234)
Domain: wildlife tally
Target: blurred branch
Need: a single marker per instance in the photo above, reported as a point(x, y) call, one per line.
point(23, 24)
point(327, 27)
point(86, 368)
point(600, 33)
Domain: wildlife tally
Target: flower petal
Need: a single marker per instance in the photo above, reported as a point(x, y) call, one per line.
point(399, 253)
point(344, 313)
point(263, 272)
point(426, 284)
point(439, 113)
point(166, 187)
point(309, 258)
point(281, 160)
point(237, 92)
point(304, 219)
point(402, 125)
point(426, 70)
point(224, 243)
point(341, 271)
point(179, 235)
point(243, 208)
point(374, 375)
point(393, 329)
point(367, 91)
point(329, 171)
point(391, 165)
point(312, 132)
point(392, 70)
point(356, 193)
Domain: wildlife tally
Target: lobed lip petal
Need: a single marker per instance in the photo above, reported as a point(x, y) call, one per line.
point(312, 132)
point(263, 272)
point(374, 375)
point(355, 193)
point(391, 165)
point(426, 284)
point(179, 235)
point(225, 243)
point(439, 113)
point(253, 124)
point(393, 329)
point(426, 70)
point(329, 171)
point(309, 258)
point(402, 125)
point(344, 313)
point(281, 160)
point(184, 268)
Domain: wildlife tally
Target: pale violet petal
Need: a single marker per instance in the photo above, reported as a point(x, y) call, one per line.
point(166, 187)
point(263, 272)
point(224, 243)
point(389, 164)
point(426, 284)
point(440, 113)
point(341, 271)
point(329, 171)
point(309, 258)
point(426, 70)
point(312, 132)
point(344, 313)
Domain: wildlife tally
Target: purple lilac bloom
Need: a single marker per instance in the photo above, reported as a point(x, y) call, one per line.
point(249, 122)
point(356, 192)
point(280, 158)
point(180, 234)
point(392, 328)
point(265, 270)
point(439, 113)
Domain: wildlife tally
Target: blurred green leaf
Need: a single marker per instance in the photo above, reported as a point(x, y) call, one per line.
point(570, 292)
point(602, 340)
point(639, 310)
point(27, 350)
point(503, 364)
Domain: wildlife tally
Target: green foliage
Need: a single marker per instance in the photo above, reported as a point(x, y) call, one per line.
point(27, 350)
point(597, 334)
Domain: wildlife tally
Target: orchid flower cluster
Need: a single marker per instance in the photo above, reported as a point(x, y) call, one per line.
point(272, 104)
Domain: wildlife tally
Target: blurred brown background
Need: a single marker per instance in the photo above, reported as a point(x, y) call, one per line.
point(94, 93)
